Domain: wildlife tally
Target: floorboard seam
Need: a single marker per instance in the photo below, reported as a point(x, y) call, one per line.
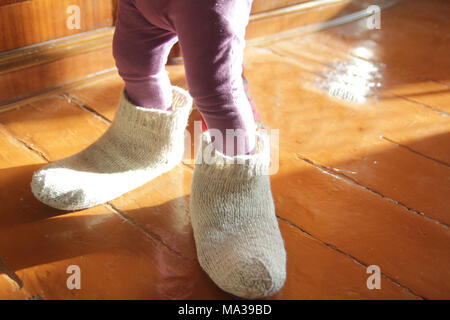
point(343, 177)
point(415, 151)
point(10, 274)
point(83, 106)
point(16, 280)
point(365, 265)
point(24, 144)
point(439, 112)
point(378, 64)
point(187, 166)
point(143, 229)
point(292, 59)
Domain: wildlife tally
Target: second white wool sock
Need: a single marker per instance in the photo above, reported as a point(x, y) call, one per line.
point(233, 217)
point(140, 145)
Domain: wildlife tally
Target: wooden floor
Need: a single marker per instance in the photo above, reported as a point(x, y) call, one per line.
point(363, 182)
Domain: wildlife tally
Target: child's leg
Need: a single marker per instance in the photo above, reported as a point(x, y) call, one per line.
point(233, 217)
point(141, 143)
point(140, 50)
point(211, 35)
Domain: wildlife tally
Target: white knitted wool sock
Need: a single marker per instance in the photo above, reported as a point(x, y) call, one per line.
point(233, 217)
point(140, 145)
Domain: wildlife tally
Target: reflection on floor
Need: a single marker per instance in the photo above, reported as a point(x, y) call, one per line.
point(363, 179)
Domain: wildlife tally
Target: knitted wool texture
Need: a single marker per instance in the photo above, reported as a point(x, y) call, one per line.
point(140, 145)
point(238, 241)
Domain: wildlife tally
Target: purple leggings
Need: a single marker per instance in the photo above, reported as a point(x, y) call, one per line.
point(211, 36)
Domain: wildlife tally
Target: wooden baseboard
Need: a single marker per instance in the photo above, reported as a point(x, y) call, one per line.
point(313, 23)
point(33, 70)
point(38, 69)
point(24, 23)
point(294, 16)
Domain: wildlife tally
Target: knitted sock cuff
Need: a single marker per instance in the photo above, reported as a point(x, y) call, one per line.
point(155, 120)
point(217, 165)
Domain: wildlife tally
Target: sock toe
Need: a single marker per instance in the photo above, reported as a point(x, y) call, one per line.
point(254, 279)
point(49, 185)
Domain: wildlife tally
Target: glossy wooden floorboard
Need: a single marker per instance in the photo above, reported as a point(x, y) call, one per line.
point(359, 183)
point(104, 247)
point(54, 129)
point(41, 257)
point(370, 160)
point(391, 145)
point(159, 208)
